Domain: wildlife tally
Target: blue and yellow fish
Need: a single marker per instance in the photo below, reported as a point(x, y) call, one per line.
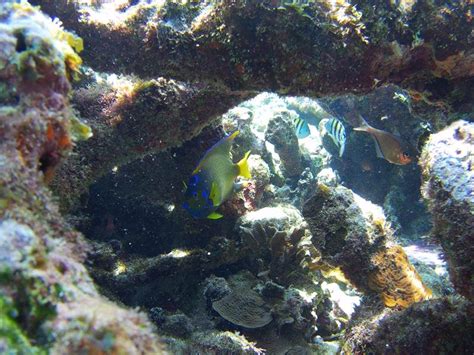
point(213, 180)
point(337, 132)
point(301, 127)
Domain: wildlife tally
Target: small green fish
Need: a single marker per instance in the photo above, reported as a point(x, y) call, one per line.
point(388, 146)
point(213, 180)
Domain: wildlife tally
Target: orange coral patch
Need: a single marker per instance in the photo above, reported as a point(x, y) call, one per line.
point(64, 142)
point(396, 280)
point(50, 132)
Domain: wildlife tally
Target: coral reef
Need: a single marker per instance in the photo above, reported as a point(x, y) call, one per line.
point(442, 325)
point(156, 79)
point(264, 45)
point(168, 41)
point(48, 296)
point(131, 118)
point(447, 162)
point(352, 234)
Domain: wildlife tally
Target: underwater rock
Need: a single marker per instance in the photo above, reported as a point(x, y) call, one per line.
point(351, 233)
point(177, 324)
point(131, 118)
point(52, 300)
point(282, 217)
point(260, 174)
point(281, 133)
point(434, 326)
point(226, 342)
point(295, 313)
point(215, 288)
point(327, 177)
point(264, 45)
point(447, 162)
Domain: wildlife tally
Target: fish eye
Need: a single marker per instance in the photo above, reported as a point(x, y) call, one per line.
point(406, 155)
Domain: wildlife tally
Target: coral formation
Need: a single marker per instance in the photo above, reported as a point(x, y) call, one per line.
point(396, 280)
point(131, 118)
point(50, 296)
point(264, 45)
point(442, 325)
point(280, 132)
point(244, 309)
point(447, 162)
point(352, 234)
point(279, 239)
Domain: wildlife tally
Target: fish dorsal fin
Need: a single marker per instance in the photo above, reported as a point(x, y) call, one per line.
point(378, 150)
point(215, 215)
point(221, 147)
point(364, 126)
point(224, 145)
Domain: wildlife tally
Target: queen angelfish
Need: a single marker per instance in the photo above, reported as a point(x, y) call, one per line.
point(213, 180)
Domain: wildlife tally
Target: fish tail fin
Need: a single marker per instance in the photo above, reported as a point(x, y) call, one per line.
point(363, 125)
point(244, 166)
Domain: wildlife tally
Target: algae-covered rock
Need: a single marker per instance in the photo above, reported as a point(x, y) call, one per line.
point(351, 233)
point(221, 342)
point(447, 162)
point(281, 133)
point(442, 325)
point(46, 292)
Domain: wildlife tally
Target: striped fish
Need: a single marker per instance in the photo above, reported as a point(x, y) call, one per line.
point(301, 127)
point(337, 132)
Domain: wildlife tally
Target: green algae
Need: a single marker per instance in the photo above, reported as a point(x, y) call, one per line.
point(79, 130)
point(12, 338)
